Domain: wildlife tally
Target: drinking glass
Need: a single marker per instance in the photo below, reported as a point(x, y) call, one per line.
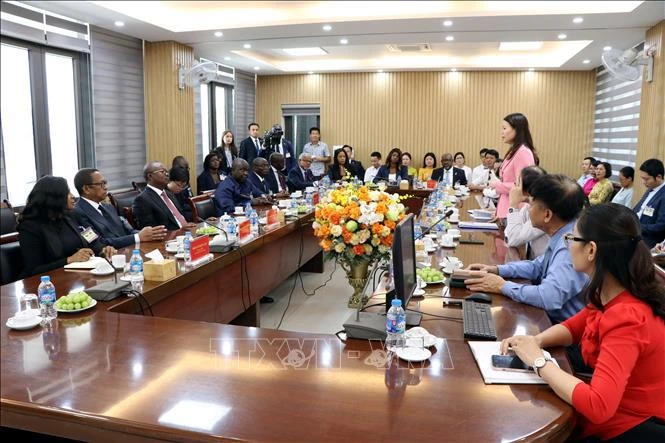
point(119, 262)
point(28, 306)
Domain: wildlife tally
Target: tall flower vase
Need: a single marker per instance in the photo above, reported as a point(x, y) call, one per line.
point(357, 273)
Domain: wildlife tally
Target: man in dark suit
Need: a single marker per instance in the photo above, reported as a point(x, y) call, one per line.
point(357, 168)
point(257, 178)
point(301, 176)
point(156, 205)
point(651, 207)
point(250, 148)
point(276, 180)
point(236, 190)
point(448, 173)
point(91, 212)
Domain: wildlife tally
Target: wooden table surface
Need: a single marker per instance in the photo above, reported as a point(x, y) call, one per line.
point(101, 375)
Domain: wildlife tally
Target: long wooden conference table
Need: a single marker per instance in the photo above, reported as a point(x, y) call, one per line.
point(111, 374)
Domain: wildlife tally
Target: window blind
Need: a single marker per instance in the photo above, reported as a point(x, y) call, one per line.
point(616, 120)
point(244, 104)
point(118, 109)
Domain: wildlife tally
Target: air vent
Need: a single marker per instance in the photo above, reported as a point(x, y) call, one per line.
point(418, 47)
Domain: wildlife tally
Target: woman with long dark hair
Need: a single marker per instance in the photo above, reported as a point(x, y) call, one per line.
point(406, 161)
point(459, 162)
point(49, 234)
point(515, 132)
point(226, 152)
point(393, 170)
point(602, 190)
point(340, 166)
point(621, 332)
point(210, 178)
point(429, 164)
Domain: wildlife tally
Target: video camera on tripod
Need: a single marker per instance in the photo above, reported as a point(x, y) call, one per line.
point(271, 140)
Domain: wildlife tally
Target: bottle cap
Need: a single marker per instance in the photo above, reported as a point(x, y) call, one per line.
point(136, 251)
point(396, 302)
point(45, 278)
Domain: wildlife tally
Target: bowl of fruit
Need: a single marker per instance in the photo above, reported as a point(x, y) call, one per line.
point(75, 302)
point(207, 230)
point(430, 275)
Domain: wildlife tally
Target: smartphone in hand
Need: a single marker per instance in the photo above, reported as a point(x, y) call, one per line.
point(510, 363)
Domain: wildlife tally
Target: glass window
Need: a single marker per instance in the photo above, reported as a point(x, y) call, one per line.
point(205, 121)
point(62, 117)
point(17, 130)
point(220, 112)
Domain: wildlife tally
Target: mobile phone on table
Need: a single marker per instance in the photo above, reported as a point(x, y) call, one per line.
point(510, 363)
point(469, 239)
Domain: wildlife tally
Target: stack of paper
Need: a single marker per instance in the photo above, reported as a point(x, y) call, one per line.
point(92, 263)
point(483, 351)
point(478, 225)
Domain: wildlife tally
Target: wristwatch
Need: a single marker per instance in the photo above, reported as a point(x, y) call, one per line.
point(511, 210)
point(539, 363)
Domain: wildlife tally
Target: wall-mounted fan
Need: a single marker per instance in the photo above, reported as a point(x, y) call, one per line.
point(626, 65)
point(198, 74)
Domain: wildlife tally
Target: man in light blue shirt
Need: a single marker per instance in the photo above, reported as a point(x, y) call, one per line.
point(319, 152)
point(586, 175)
point(555, 286)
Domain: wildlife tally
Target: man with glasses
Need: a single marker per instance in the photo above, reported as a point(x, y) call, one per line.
point(156, 205)
point(555, 286)
point(301, 176)
point(92, 212)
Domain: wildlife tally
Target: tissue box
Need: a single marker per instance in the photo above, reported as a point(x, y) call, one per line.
point(404, 184)
point(159, 271)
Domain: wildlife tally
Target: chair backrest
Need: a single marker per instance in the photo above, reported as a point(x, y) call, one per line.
point(12, 262)
point(202, 206)
point(123, 200)
point(7, 220)
point(139, 185)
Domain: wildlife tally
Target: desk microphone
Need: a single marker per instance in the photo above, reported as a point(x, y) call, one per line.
point(446, 215)
point(216, 227)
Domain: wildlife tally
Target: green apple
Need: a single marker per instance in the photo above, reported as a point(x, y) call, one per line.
point(392, 215)
point(351, 226)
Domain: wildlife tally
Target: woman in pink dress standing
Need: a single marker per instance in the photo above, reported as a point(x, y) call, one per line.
point(515, 132)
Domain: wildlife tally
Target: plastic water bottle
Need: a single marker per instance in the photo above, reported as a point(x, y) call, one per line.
point(187, 248)
point(248, 208)
point(46, 294)
point(294, 205)
point(254, 222)
point(136, 269)
point(234, 227)
point(417, 232)
point(309, 199)
point(395, 325)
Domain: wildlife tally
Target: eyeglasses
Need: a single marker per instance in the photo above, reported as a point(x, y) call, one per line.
point(161, 171)
point(571, 238)
point(306, 161)
point(103, 184)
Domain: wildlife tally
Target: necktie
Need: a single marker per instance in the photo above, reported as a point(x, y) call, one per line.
point(546, 263)
point(169, 204)
point(256, 143)
point(637, 207)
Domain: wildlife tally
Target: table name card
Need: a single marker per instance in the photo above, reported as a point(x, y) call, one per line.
point(199, 247)
point(244, 231)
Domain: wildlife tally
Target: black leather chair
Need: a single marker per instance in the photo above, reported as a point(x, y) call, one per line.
point(123, 204)
point(12, 262)
point(202, 206)
point(139, 185)
point(7, 221)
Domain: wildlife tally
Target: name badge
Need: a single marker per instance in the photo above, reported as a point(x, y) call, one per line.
point(89, 235)
point(288, 155)
point(648, 211)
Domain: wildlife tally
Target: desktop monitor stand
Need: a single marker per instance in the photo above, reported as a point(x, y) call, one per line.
point(366, 326)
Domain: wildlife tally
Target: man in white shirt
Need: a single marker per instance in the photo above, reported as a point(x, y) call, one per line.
point(482, 174)
point(319, 152)
point(586, 174)
point(375, 162)
point(651, 207)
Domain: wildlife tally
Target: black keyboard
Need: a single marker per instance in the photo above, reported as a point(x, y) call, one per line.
point(478, 324)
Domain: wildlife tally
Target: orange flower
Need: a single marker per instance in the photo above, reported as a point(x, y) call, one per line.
point(346, 235)
point(387, 240)
point(390, 224)
point(324, 231)
point(354, 212)
point(377, 228)
point(326, 244)
point(381, 208)
point(359, 249)
point(335, 218)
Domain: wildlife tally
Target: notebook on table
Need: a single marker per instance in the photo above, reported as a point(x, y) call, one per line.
point(92, 263)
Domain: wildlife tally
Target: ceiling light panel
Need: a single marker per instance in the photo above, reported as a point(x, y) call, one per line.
point(304, 52)
point(520, 46)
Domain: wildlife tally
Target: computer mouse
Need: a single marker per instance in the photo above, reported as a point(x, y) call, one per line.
point(479, 297)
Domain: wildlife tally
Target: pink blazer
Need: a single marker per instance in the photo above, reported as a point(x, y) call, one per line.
point(510, 170)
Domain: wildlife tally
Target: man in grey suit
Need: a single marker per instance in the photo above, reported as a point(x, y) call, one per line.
point(102, 218)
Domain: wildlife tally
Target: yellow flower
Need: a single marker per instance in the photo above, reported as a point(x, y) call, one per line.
point(336, 230)
point(339, 248)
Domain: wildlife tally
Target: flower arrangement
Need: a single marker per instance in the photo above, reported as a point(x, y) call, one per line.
point(356, 224)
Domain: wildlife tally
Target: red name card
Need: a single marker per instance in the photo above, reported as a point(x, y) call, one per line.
point(431, 184)
point(272, 217)
point(315, 198)
point(199, 247)
point(244, 230)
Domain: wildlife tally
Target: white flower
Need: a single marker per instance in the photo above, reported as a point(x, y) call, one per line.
point(374, 195)
point(316, 225)
point(355, 239)
point(384, 249)
point(340, 247)
point(336, 230)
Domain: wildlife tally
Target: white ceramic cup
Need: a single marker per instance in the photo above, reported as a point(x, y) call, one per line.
point(238, 210)
point(447, 240)
point(428, 243)
point(454, 218)
point(454, 232)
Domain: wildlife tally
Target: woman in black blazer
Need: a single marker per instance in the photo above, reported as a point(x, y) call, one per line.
point(225, 150)
point(210, 177)
point(340, 166)
point(48, 233)
point(392, 167)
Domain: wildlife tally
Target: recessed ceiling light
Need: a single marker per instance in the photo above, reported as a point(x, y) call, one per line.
point(327, 27)
point(562, 36)
point(531, 69)
point(453, 70)
point(520, 46)
point(256, 68)
point(607, 48)
point(380, 71)
point(447, 23)
point(578, 20)
point(246, 46)
point(311, 72)
point(586, 61)
point(303, 52)
point(449, 38)
point(219, 33)
point(227, 58)
point(119, 24)
point(343, 41)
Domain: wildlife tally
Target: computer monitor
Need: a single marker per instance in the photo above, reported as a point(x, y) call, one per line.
point(404, 268)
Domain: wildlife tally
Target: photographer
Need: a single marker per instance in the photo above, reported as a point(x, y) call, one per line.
point(274, 141)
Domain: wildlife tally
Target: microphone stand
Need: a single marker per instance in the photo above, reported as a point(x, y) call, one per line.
point(446, 215)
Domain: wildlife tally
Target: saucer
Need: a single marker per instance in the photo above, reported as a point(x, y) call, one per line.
point(430, 249)
point(453, 221)
point(454, 245)
point(427, 341)
point(103, 271)
point(419, 292)
point(25, 324)
point(456, 236)
point(413, 354)
point(179, 256)
point(238, 213)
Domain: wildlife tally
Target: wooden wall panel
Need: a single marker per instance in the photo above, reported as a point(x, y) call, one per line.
point(169, 110)
point(651, 135)
point(442, 111)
